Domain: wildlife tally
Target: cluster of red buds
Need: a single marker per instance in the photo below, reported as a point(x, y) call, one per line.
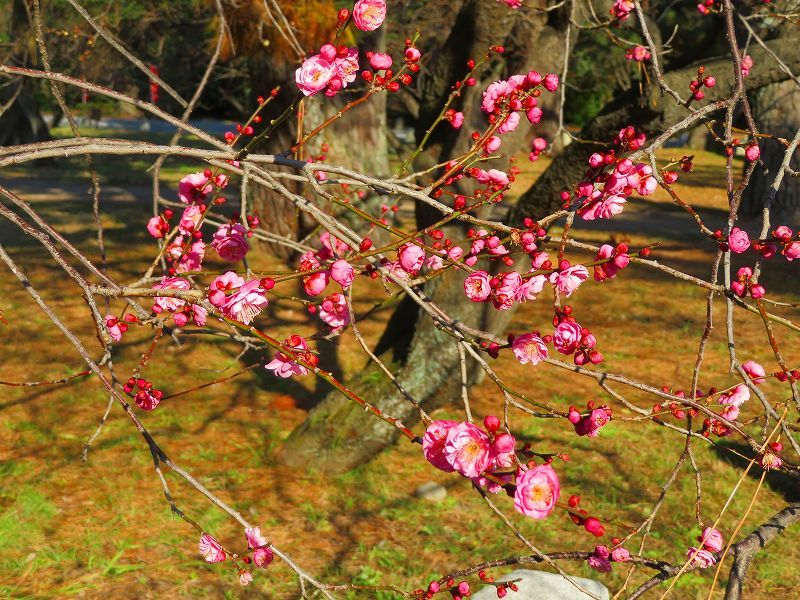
point(142, 391)
point(591, 524)
point(745, 284)
point(695, 86)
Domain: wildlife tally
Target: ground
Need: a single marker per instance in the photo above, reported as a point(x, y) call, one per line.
point(102, 529)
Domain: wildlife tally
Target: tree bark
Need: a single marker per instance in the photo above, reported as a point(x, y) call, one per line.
point(776, 110)
point(338, 435)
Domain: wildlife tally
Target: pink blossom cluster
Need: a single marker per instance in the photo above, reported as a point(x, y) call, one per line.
point(615, 259)
point(783, 240)
point(180, 310)
point(230, 241)
point(711, 543)
point(504, 289)
point(615, 186)
point(744, 283)
point(195, 188)
point(622, 9)
point(211, 551)
point(538, 145)
point(590, 424)
point(503, 100)
point(186, 254)
point(488, 457)
point(282, 365)
point(116, 327)
point(331, 70)
point(705, 8)
point(571, 339)
point(602, 557)
point(236, 298)
point(637, 54)
point(146, 396)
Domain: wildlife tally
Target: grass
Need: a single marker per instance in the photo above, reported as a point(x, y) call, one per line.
point(102, 529)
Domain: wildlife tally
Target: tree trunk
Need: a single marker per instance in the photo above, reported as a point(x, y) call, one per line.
point(338, 435)
point(776, 110)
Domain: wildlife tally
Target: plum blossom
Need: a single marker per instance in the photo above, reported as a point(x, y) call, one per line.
point(568, 280)
point(567, 337)
point(747, 64)
point(599, 564)
point(245, 577)
point(601, 207)
point(529, 348)
point(368, 15)
point(313, 75)
point(333, 311)
point(194, 188)
point(192, 259)
point(712, 539)
point(476, 286)
point(591, 424)
point(503, 448)
point(530, 288)
point(467, 449)
point(165, 302)
point(701, 558)
point(411, 257)
point(755, 371)
point(244, 303)
point(738, 240)
point(190, 219)
point(210, 549)
point(620, 555)
point(230, 242)
point(115, 327)
point(157, 227)
point(537, 492)
point(282, 365)
point(379, 61)
point(257, 542)
point(342, 273)
point(736, 397)
point(619, 260)
point(433, 443)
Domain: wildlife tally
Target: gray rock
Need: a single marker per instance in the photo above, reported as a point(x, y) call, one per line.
point(431, 491)
point(539, 585)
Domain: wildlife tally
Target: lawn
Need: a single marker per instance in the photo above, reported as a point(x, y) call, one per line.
point(104, 530)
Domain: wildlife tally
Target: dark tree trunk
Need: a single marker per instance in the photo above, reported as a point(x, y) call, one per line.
point(776, 110)
point(338, 435)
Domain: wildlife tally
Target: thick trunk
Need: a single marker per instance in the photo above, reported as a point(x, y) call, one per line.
point(337, 434)
point(21, 123)
point(776, 110)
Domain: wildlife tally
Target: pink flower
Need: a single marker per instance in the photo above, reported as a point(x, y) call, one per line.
point(113, 327)
point(701, 558)
point(245, 578)
point(510, 123)
point(342, 273)
point(568, 280)
point(245, 303)
point(602, 207)
point(747, 64)
point(492, 144)
point(738, 240)
point(612, 267)
point(333, 311)
point(506, 291)
point(210, 549)
point(467, 449)
point(736, 397)
point(380, 61)
point(230, 242)
point(457, 120)
point(368, 15)
point(194, 188)
point(712, 539)
point(476, 286)
point(513, 3)
point(254, 537)
point(537, 492)
point(262, 557)
point(190, 220)
point(529, 348)
point(620, 555)
point(752, 152)
point(157, 227)
point(755, 371)
point(411, 257)
point(171, 283)
point(433, 443)
point(504, 453)
point(530, 288)
point(283, 366)
point(770, 460)
point(591, 424)
point(331, 246)
point(792, 251)
point(567, 337)
point(601, 565)
point(551, 82)
point(314, 75)
point(316, 283)
point(192, 260)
